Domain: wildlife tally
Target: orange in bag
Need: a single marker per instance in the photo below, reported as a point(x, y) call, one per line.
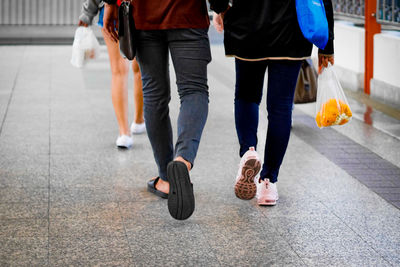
point(333, 112)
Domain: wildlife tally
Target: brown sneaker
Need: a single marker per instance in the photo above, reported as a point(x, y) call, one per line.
point(249, 167)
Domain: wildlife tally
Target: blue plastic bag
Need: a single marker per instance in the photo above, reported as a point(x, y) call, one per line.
point(312, 21)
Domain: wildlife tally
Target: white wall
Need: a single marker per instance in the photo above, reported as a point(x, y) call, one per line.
point(385, 85)
point(350, 55)
point(349, 46)
point(387, 58)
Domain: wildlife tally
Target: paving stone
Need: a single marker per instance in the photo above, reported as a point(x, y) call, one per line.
point(88, 250)
point(344, 161)
point(21, 170)
point(392, 256)
point(71, 195)
point(23, 210)
point(108, 210)
point(23, 251)
point(364, 260)
point(265, 247)
point(23, 194)
point(13, 228)
point(389, 171)
point(95, 170)
point(76, 227)
point(395, 182)
point(174, 243)
point(321, 236)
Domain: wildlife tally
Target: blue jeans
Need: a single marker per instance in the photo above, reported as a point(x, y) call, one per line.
point(282, 78)
point(190, 53)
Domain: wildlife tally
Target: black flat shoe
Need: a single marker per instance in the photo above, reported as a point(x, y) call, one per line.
point(151, 187)
point(180, 197)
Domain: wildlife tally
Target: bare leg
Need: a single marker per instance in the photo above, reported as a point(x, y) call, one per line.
point(119, 79)
point(137, 93)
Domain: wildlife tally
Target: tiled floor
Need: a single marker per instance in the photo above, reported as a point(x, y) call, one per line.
point(370, 169)
point(69, 197)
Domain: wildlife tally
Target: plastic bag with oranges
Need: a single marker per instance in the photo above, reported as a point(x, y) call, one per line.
point(332, 107)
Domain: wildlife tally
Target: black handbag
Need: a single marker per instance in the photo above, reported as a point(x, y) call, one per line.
point(126, 30)
point(306, 88)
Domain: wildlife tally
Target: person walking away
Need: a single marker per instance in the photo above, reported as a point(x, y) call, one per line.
point(119, 79)
point(264, 35)
point(178, 28)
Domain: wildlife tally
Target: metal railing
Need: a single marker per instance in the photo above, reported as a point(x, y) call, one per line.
point(39, 12)
point(66, 12)
point(388, 12)
point(352, 10)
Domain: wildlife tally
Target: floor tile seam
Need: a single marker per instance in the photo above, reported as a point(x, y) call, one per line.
point(24, 202)
point(49, 157)
point(126, 234)
point(12, 91)
point(211, 248)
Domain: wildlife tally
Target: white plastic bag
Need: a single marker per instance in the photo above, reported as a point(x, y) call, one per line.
point(85, 46)
point(332, 107)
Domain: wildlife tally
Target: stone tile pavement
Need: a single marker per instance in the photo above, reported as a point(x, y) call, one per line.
point(69, 197)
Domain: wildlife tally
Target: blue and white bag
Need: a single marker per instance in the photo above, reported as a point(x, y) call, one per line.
point(312, 21)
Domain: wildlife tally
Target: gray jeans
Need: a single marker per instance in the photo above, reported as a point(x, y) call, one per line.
point(190, 53)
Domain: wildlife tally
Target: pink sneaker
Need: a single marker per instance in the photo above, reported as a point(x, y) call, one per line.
point(249, 166)
point(267, 193)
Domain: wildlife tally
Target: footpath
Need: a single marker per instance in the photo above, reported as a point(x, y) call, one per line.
point(69, 197)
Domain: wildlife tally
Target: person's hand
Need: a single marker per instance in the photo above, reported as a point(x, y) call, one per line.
point(323, 61)
point(218, 22)
point(110, 21)
point(81, 23)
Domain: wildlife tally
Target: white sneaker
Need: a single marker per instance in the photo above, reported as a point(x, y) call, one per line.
point(124, 141)
point(267, 193)
point(138, 128)
point(249, 166)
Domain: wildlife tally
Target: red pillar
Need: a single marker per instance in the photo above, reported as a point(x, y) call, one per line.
point(371, 28)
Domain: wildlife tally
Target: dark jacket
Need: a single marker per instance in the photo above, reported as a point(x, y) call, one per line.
point(261, 29)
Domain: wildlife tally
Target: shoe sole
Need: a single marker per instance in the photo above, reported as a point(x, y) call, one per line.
point(124, 147)
point(180, 197)
point(245, 188)
point(267, 203)
point(138, 132)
